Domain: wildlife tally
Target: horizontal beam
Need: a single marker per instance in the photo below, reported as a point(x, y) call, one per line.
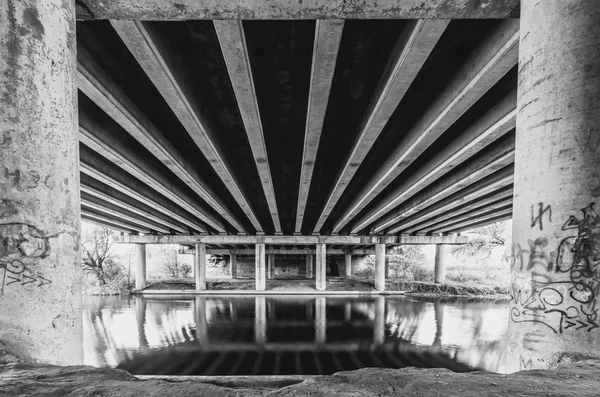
point(485, 222)
point(126, 205)
point(287, 251)
point(294, 240)
point(156, 59)
point(101, 170)
point(237, 58)
point(484, 68)
point(91, 214)
point(479, 219)
point(95, 83)
point(328, 35)
point(410, 53)
point(103, 223)
point(496, 122)
point(487, 186)
point(293, 9)
point(472, 172)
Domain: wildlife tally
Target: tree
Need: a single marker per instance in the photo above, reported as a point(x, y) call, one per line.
point(173, 267)
point(97, 253)
point(484, 240)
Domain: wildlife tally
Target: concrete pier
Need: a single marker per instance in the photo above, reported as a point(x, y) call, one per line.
point(260, 268)
point(40, 263)
point(200, 266)
point(321, 277)
point(380, 267)
point(270, 266)
point(140, 268)
point(233, 264)
point(556, 235)
point(441, 257)
point(348, 265)
point(309, 266)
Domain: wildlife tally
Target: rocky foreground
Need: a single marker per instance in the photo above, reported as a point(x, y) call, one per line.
point(578, 379)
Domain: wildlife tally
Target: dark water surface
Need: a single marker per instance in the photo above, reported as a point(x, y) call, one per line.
point(282, 335)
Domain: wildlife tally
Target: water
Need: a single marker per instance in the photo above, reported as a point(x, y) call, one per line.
point(281, 335)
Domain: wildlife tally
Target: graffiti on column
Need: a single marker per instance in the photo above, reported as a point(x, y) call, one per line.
point(20, 243)
point(560, 289)
point(539, 218)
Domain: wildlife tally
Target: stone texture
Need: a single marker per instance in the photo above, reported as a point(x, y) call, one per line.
point(40, 263)
point(580, 379)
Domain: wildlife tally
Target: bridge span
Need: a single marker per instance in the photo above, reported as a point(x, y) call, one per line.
point(383, 122)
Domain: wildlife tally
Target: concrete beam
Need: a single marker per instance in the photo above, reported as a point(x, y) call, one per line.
point(151, 56)
point(502, 196)
point(328, 34)
point(235, 52)
point(298, 251)
point(113, 147)
point(104, 223)
point(481, 211)
point(91, 214)
point(476, 220)
point(494, 58)
point(92, 191)
point(496, 122)
point(108, 174)
point(119, 213)
point(292, 9)
point(294, 240)
point(409, 55)
point(500, 157)
point(95, 83)
point(484, 222)
point(473, 192)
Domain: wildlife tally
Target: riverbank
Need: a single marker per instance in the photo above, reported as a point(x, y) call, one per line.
point(577, 379)
point(409, 288)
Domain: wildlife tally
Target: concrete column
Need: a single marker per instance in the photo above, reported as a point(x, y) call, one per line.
point(271, 266)
point(348, 269)
point(260, 270)
point(320, 320)
point(379, 321)
point(556, 226)
point(233, 264)
point(309, 266)
point(200, 265)
point(40, 261)
point(201, 324)
point(321, 277)
point(442, 252)
point(387, 267)
point(140, 268)
point(260, 319)
point(380, 267)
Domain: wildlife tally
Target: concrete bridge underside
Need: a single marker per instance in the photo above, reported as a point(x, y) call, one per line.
point(267, 120)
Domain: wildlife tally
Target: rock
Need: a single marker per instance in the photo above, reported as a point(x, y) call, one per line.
point(47, 380)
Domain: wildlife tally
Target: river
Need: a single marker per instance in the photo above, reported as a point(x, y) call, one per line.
point(282, 335)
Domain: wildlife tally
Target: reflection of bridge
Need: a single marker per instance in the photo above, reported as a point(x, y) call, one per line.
point(284, 336)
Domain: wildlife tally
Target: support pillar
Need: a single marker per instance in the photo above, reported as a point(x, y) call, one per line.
point(271, 266)
point(442, 251)
point(321, 277)
point(380, 267)
point(556, 226)
point(348, 263)
point(40, 261)
point(309, 266)
point(140, 268)
point(233, 264)
point(200, 265)
point(260, 268)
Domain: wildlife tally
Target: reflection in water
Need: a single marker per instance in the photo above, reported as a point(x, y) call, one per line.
point(291, 335)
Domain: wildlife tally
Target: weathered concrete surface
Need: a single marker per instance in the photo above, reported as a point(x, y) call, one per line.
point(40, 270)
point(556, 227)
point(580, 379)
point(291, 9)
point(442, 252)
